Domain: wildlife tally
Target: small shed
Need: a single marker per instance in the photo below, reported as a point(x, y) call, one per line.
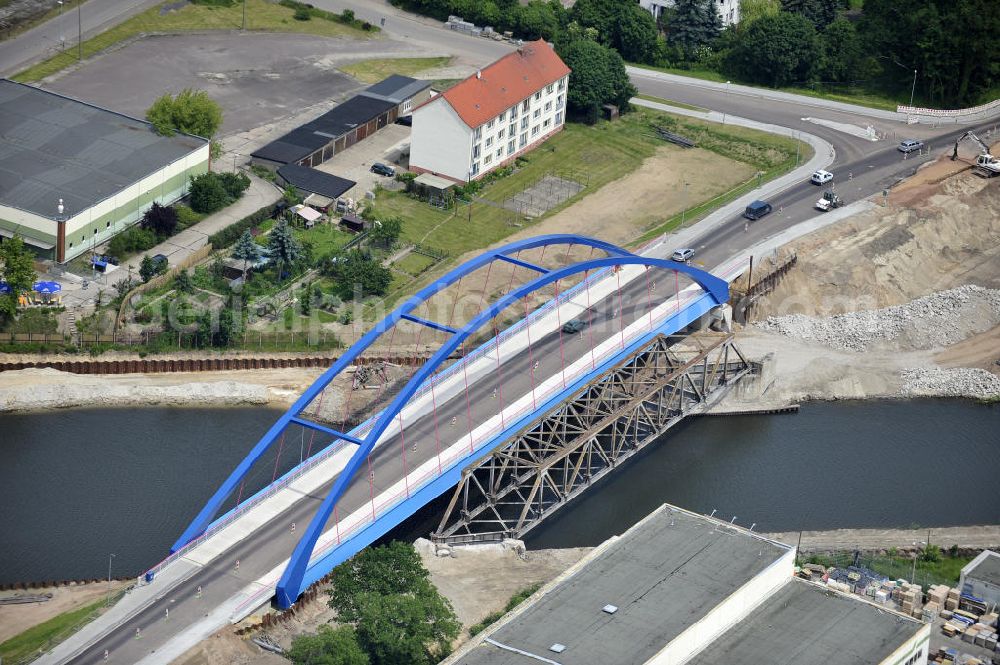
point(354, 223)
point(309, 215)
point(610, 112)
point(434, 187)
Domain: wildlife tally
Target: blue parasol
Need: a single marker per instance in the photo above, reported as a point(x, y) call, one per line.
point(5, 287)
point(47, 287)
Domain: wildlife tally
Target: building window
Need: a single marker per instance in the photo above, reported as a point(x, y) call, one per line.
point(559, 102)
point(489, 125)
point(549, 88)
point(524, 106)
point(475, 151)
point(407, 106)
point(534, 131)
point(487, 159)
point(538, 95)
point(499, 153)
point(475, 168)
point(548, 106)
point(559, 117)
point(546, 123)
point(524, 123)
point(510, 147)
point(524, 140)
point(500, 134)
point(538, 112)
point(512, 129)
point(562, 83)
point(95, 232)
point(107, 225)
point(489, 141)
point(479, 133)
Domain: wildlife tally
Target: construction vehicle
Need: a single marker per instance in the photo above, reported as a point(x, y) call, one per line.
point(829, 201)
point(986, 164)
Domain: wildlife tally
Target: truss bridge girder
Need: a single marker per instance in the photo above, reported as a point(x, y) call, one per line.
point(526, 478)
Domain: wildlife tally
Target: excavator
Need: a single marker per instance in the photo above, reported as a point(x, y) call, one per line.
point(986, 165)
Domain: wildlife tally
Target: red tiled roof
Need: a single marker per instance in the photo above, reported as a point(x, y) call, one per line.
point(509, 80)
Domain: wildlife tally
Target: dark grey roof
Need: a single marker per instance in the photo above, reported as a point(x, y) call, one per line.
point(315, 134)
point(806, 624)
point(664, 574)
point(54, 147)
point(311, 180)
point(396, 88)
point(987, 570)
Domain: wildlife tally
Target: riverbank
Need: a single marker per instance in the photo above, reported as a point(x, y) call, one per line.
point(967, 539)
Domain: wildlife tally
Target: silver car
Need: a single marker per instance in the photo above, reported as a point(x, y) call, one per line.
point(682, 255)
point(909, 145)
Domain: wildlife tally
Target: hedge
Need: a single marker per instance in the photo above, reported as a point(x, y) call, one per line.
point(232, 233)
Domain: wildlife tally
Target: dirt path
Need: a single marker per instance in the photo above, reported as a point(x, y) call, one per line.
point(965, 537)
point(982, 351)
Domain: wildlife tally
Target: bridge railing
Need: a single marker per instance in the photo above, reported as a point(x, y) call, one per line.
point(460, 453)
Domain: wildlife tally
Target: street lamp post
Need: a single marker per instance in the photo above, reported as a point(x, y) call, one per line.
point(110, 557)
point(914, 88)
point(79, 31)
point(684, 203)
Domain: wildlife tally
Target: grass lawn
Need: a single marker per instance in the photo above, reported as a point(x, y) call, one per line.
point(45, 635)
point(373, 71)
point(325, 239)
point(859, 97)
point(945, 570)
point(414, 263)
point(261, 15)
point(670, 102)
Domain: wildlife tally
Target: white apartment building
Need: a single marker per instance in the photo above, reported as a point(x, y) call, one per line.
point(729, 10)
point(487, 120)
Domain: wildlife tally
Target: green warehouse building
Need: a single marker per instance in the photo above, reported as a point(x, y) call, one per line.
point(73, 175)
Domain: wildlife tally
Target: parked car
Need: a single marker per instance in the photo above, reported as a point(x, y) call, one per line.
point(405, 120)
point(682, 255)
point(757, 209)
point(382, 169)
point(821, 177)
point(159, 260)
point(573, 326)
point(909, 145)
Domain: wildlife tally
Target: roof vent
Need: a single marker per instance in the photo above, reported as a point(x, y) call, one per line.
point(609, 609)
point(557, 648)
point(60, 207)
point(479, 73)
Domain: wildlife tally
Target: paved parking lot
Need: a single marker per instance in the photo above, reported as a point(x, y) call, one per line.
point(355, 162)
point(256, 78)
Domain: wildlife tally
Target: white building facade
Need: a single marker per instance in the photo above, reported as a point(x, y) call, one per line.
point(729, 10)
point(489, 119)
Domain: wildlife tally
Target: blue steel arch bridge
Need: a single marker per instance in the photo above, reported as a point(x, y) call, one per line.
point(514, 418)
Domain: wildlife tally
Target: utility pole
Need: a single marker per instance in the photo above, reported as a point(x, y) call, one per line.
point(914, 88)
point(79, 31)
point(108, 601)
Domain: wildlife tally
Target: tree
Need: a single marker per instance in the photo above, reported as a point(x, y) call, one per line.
point(384, 570)
point(622, 25)
point(358, 274)
point(147, 269)
point(535, 20)
point(820, 13)
point(282, 246)
point(183, 283)
point(161, 220)
point(328, 646)
point(751, 10)
point(190, 112)
point(17, 269)
point(776, 51)
point(386, 232)
point(246, 250)
point(415, 627)
point(693, 24)
point(207, 193)
point(843, 57)
point(598, 77)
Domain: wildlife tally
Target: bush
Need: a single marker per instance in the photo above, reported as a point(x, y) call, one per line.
point(234, 183)
point(214, 3)
point(232, 233)
point(207, 194)
point(130, 241)
point(301, 14)
point(186, 217)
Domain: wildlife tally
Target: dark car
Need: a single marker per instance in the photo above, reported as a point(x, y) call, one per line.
point(405, 120)
point(382, 169)
point(573, 326)
point(757, 209)
point(160, 263)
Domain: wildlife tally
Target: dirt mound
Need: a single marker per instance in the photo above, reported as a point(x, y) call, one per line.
point(947, 236)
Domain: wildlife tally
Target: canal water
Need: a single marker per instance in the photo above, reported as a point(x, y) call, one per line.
point(81, 484)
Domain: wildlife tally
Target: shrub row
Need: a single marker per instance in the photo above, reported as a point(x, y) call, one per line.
point(231, 233)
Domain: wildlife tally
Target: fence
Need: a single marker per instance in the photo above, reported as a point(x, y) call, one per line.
point(924, 573)
point(975, 113)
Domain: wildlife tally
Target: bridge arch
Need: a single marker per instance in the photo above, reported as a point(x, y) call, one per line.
point(290, 583)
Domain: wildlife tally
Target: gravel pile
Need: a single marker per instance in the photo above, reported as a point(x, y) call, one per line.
point(956, 382)
point(940, 319)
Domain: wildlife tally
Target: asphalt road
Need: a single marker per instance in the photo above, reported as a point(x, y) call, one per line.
point(47, 39)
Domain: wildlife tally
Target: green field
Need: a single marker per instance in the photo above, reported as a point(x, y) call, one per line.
point(373, 71)
point(47, 634)
point(414, 263)
point(261, 15)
